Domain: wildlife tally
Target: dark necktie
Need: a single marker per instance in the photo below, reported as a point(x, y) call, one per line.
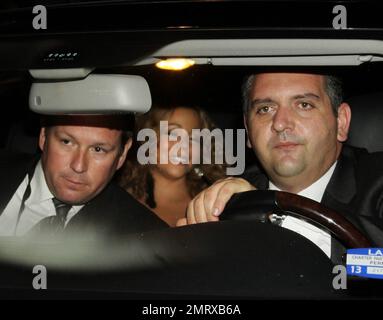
point(62, 210)
point(54, 224)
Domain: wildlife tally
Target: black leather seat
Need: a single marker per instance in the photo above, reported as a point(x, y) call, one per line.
point(23, 137)
point(367, 121)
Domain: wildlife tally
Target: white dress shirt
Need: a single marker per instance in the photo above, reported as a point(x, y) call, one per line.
point(38, 206)
point(314, 192)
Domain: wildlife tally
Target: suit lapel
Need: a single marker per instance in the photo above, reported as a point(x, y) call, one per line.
point(94, 213)
point(342, 186)
point(339, 194)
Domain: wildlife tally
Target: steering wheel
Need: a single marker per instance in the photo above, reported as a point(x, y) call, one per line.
point(270, 206)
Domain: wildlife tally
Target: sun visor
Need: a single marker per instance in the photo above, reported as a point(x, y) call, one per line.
point(96, 94)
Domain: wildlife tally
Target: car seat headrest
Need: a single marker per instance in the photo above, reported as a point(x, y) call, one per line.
point(366, 128)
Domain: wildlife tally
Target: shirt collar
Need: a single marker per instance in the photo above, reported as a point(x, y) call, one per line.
point(317, 189)
point(39, 188)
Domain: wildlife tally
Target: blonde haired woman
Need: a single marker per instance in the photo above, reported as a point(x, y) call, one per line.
point(167, 188)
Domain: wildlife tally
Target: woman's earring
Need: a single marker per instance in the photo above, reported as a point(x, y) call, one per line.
point(198, 171)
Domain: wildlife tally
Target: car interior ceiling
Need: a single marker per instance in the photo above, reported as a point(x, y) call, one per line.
point(217, 89)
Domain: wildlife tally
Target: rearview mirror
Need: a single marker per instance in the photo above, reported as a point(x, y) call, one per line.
point(96, 94)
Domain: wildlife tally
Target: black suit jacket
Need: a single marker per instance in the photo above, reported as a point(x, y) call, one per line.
point(114, 212)
point(355, 190)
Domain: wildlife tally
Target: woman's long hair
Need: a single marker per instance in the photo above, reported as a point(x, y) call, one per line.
point(137, 179)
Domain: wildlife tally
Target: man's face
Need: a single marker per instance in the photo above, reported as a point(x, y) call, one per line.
point(79, 161)
point(293, 129)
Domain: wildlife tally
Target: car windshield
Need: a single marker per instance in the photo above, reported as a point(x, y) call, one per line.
point(226, 43)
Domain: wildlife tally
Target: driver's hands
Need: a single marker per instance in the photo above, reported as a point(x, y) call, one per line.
point(209, 204)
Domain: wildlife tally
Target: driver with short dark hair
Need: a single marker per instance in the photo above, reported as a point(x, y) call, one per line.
point(297, 124)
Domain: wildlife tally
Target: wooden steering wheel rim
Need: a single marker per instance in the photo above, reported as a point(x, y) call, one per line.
point(243, 206)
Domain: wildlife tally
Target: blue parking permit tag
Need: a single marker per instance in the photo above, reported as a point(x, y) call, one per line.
point(366, 262)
